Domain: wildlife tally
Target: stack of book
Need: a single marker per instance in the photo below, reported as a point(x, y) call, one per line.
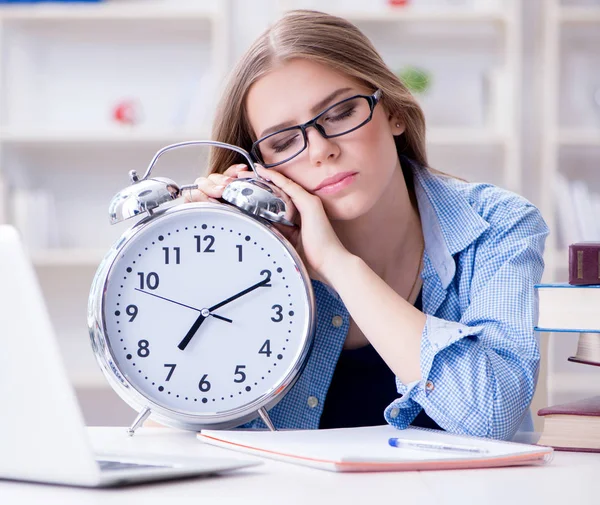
point(575, 308)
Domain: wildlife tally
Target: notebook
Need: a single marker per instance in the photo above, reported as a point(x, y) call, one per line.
point(368, 450)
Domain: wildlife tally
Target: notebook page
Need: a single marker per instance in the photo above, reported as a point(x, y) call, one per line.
point(368, 444)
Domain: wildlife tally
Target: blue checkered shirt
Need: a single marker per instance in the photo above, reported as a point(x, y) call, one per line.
point(479, 354)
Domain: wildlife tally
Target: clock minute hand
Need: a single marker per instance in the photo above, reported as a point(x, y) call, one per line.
point(240, 294)
point(184, 305)
point(190, 334)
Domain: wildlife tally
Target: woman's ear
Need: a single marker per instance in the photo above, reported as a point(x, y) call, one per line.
point(397, 126)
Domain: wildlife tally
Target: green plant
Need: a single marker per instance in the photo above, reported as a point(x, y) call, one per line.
point(417, 80)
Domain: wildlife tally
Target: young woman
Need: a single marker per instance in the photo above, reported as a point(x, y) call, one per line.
point(424, 283)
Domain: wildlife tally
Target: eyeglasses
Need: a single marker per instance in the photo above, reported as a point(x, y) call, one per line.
point(338, 119)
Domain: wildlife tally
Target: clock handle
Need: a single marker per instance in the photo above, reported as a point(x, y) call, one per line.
point(213, 143)
point(266, 419)
point(139, 420)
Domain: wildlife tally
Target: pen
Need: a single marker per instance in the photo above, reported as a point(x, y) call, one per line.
point(434, 446)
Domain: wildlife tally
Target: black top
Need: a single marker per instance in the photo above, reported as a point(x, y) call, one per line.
point(361, 388)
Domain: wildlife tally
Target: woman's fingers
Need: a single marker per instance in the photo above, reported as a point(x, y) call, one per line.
point(220, 179)
point(233, 170)
point(207, 191)
point(211, 188)
point(196, 195)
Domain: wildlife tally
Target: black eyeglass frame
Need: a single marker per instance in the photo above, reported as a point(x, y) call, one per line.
point(372, 99)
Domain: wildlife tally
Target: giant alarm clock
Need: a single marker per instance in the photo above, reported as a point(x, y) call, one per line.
point(201, 315)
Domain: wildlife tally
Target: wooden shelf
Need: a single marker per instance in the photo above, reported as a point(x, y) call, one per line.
point(413, 13)
point(579, 137)
point(128, 11)
point(68, 257)
point(579, 14)
point(135, 137)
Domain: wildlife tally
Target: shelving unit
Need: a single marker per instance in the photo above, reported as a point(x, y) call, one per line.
point(561, 135)
point(491, 23)
point(63, 68)
point(134, 138)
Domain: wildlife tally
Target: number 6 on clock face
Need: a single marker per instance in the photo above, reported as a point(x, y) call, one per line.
point(202, 314)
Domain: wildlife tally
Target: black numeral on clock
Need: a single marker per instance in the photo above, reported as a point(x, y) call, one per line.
point(132, 311)
point(278, 312)
point(268, 274)
point(238, 371)
point(177, 255)
point(240, 257)
point(151, 280)
point(143, 349)
point(266, 348)
point(204, 385)
point(170, 371)
point(207, 238)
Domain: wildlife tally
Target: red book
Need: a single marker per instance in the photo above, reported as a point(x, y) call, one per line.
point(584, 263)
point(572, 426)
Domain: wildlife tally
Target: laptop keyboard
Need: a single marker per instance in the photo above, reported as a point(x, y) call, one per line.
point(120, 465)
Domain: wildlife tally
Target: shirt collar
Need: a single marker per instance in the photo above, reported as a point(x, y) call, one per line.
point(448, 220)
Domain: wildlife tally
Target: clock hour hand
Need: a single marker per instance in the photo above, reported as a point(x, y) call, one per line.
point(206, 312)
point(192, 331)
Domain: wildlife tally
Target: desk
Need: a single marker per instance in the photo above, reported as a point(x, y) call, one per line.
point(571, 479)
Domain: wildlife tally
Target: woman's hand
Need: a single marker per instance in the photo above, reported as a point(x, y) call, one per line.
point(318, 243)
point(211, 188)
point(314, 238)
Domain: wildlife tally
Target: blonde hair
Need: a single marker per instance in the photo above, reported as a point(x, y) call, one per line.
point(328, 40)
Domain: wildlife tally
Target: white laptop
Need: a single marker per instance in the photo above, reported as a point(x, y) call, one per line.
point(42, 434)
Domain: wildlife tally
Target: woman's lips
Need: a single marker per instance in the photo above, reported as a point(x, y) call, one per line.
point(337, 183)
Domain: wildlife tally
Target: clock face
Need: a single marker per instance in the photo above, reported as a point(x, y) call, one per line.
point(205, 311)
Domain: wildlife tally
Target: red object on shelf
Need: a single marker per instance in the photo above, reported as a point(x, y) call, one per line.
point(126, 112)
point(398, 3)
point(584, 263)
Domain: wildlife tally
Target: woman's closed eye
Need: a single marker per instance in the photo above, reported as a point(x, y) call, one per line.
point(336, 116)
point(282, 144)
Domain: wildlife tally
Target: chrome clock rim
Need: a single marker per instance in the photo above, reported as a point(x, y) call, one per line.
point(129, 392)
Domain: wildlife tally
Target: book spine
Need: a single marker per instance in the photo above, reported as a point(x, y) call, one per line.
point(584, 263)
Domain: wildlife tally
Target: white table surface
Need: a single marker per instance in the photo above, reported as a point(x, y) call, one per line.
point(571, 479)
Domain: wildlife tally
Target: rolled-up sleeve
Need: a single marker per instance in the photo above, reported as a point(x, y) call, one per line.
point(479, 373)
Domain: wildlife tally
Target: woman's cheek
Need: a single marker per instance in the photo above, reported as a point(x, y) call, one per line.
point(294, 175)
